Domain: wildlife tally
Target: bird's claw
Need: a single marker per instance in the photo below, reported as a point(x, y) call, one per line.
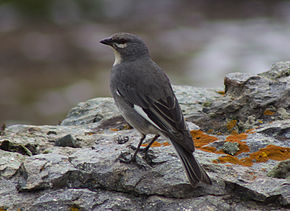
point(123, 158)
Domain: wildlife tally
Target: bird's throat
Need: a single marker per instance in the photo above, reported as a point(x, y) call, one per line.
point(117, 57)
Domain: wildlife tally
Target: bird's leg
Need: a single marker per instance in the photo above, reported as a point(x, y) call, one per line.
point(138, 148)
point(133, 158)
point(149, 145)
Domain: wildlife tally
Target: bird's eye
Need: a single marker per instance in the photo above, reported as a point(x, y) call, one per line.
point(121, 41)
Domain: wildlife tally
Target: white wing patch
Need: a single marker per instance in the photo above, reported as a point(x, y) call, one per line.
point(117, 92)
point(140, 111)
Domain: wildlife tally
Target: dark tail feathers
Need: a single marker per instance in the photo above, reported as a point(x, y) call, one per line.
point(194, 171)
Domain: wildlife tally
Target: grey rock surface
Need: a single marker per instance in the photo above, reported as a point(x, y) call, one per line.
point(249, 99)
point(282, 170)
point(76, 164)
point(231, 148)
point(91, 111)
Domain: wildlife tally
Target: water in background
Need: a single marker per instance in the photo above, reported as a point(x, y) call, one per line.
point(50, 58)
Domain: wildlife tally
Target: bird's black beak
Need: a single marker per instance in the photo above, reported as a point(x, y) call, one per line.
point(107, 41)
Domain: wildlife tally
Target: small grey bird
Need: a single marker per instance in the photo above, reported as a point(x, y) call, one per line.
point(144, 96)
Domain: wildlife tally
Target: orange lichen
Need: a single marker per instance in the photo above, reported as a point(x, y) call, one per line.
point(157, 144)
point(200, 138)
point(114, 129)
point(237, 137)
point(227, 159)
point(270, 152)
point(211, 149)
point(234, 160)
point(221, 92)
point(210, 131)
point(250, 131)
point(166, 144)
point(87, 133)
point(234, 132)
point(269, 112)
point(231, 124)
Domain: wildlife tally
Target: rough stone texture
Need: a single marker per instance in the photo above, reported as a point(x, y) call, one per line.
point(282, 170)
point(231, 148)
point(91, 111)
point(76, 164)
point(249, 99)
point(66, 141)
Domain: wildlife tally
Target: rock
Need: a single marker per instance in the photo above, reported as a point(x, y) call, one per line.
point(27, 149)
point(104, 111)
point(281, 170)
point(92, 111)
point(279, 130)
point(46, 171)
point(231, 148)
point(83, 199)
point(76, 165)
point(250, 100)
point(10, 163)
point(67, 141)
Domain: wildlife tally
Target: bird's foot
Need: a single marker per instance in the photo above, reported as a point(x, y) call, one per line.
point(125, 157)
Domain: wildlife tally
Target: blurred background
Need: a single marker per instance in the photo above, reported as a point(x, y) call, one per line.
point(50, 58)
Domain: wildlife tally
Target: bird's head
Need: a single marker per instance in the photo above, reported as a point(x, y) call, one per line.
point(127, 47)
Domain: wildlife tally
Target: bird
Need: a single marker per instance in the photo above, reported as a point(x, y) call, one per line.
point(144, 96)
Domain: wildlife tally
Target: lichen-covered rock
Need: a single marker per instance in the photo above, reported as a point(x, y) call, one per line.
point(250, 100)
point(76, 165)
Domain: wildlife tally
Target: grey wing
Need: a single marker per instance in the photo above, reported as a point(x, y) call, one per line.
point(162, 108)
